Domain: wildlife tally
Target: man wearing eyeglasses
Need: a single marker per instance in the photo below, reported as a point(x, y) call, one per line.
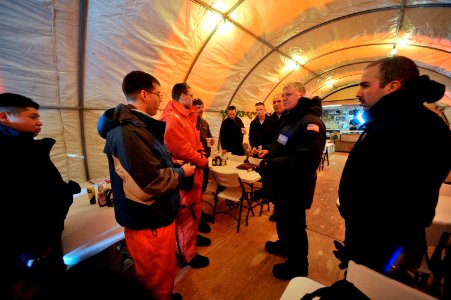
point(289, 174)
point(183, 141)
point(145, 182)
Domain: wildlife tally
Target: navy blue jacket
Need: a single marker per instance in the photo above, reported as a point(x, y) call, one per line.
point(290, 169)
point(145, 184)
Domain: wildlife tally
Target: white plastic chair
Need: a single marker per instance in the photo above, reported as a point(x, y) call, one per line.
point(231, 188)
point(212, 186)
point(377, 286)
point(298, 287)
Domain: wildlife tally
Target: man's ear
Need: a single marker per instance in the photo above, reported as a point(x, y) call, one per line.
point(4, 117)
point(394, 86)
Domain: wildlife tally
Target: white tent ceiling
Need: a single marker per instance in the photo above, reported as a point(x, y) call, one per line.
point(71, 56)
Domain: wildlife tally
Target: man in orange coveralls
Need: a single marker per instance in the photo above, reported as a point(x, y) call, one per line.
point(183, 141)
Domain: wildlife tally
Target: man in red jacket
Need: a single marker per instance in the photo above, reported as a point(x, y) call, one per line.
point(183, 141)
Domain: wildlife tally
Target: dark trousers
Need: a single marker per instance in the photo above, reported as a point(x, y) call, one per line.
point(292, 228)
point(205, 179)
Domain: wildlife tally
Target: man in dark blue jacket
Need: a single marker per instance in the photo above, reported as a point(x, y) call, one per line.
point(289, 175)
point(389, 190)
point(144, 181)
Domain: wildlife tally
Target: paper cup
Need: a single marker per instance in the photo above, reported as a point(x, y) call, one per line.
point(210, 142)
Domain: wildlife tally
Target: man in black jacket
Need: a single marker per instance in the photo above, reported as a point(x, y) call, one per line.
point(277, 118)
point(232, 132)
point(207, 141)
point(388, 191)
point(289, 174)
point(261, 129)
point(279, 111)
point(34, 197)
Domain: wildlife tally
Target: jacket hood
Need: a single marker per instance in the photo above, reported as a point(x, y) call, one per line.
point(107, 122)
point(123, 114)
point(422, 89)
point(411, 95)
point(310, 106)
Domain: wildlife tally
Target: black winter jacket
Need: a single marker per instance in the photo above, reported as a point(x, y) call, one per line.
point(231, 137)
point(390, 183)
point(35, 199)
point(290, 169)
point(261, 134)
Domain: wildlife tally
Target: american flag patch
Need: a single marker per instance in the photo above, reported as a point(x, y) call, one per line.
point(313, 127)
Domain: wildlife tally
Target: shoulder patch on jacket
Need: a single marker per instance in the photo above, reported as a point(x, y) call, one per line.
point(313, 127)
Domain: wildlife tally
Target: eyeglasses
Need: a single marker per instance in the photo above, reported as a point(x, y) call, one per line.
point(277, 101)
point(158, 94)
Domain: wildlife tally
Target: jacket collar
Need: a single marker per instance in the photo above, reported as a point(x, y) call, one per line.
point(180, 108)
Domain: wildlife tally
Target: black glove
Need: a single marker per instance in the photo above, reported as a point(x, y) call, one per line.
point(73, 187)
point(342, 255)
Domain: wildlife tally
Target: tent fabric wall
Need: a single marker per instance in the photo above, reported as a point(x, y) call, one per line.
point(71, 55)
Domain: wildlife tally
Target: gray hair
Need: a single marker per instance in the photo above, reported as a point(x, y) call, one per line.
point(297, 86)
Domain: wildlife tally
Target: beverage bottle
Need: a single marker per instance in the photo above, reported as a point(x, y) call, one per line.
point(107, 184)
point(91, 194)
point(101, 195)
point(108, 192)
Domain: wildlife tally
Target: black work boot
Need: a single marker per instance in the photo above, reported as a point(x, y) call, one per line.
point(277, 248)
point(203, 227)
point(202, 241)
point(199, 261)
point(206, 218)
point(287, 271)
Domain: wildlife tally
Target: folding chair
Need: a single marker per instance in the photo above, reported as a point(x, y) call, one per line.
point(258, 185)
point(231, 188)
point(324, 158)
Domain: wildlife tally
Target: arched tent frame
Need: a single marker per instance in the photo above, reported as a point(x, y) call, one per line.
point(71, 56)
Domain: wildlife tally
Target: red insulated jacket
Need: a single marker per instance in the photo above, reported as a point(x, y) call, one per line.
point(183, 141)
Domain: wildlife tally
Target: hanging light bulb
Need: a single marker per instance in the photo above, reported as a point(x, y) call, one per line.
point(298, 55)
point(330, 82)
point(296, 58)
point(394, 50)
point(225, 27)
